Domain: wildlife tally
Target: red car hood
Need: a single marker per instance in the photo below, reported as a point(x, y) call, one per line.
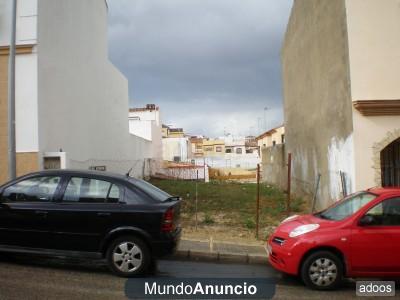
point(286, 227)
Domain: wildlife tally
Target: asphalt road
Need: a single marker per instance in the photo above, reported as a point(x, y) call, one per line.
point(23, 277)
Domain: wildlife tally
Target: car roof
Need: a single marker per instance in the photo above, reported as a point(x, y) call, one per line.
point(74, 172)
point(384, 190)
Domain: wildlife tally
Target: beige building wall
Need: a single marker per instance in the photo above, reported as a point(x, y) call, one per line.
point(317, 100)
point(277, 136)
point(371, 136)
point(27, 162)
point(266, 141)
point(374, 50)
point(269, 139)
point(210, 148)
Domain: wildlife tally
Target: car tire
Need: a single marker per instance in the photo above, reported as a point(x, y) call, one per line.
point(322, 270)
point(128, 256)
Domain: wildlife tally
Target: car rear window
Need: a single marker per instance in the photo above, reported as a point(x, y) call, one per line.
point(151, 190)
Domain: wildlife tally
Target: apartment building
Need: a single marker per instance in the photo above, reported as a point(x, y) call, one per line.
point(71, 102)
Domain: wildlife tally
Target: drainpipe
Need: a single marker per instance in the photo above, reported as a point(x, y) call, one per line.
point(11, 96)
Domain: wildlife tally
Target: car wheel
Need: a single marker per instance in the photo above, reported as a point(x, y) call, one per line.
point(128, 256)
point(322, 270)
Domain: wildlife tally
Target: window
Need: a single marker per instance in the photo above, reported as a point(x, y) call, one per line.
point(151, 190)
point(208, 149)
point(386, 213)
point(133, 196)
point(38, 189)
point(273, 143)
point(87, 190)
point(218, 149)
point(114, 194)
point(282, 138)
point(228, 150)
point(347, 206)
point(239, 150)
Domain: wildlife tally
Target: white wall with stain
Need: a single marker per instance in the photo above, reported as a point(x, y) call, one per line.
point(341, 158)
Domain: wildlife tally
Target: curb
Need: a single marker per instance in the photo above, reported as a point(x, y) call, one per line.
point(220, 257)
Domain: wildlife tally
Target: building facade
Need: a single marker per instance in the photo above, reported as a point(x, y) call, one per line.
point(213, 148)
point(340, 63)
point(197, 146)
point(177, 149)
point(71, 102)
point(145, 123)
point(272, 137)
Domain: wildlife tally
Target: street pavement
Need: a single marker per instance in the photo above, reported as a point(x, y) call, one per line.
point(29, 277)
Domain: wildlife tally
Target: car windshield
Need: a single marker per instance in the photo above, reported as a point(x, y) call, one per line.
point(346, 207)
point(151, 190)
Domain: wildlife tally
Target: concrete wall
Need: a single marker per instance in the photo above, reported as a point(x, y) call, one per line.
point(317, 100)
point(156, 144)
point(26, 87)
point(146, 124)
point(274, 166)
point(245, 162)
point(3, 118)
point(141, 128)
point(83, 98)
point(26, 102)
point(176, 147)
point(374, 50)
point(26, 22)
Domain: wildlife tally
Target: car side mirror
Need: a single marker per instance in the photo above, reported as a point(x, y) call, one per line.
point(367, 220)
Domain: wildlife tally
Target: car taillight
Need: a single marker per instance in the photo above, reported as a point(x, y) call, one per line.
point(168, 221)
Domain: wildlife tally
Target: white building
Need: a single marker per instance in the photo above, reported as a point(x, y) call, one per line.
point(71, 102)
point(145, 123)
point(234, 154)
point(176, 149)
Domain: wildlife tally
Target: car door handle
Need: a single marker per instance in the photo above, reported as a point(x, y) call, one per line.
point(103, 214)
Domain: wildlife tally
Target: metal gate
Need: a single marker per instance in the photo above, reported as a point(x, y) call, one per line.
point(390, 164)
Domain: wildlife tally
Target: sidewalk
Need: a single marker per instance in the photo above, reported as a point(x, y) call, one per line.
point(216, 251)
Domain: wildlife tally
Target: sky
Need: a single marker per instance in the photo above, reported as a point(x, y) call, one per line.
point(212, 66)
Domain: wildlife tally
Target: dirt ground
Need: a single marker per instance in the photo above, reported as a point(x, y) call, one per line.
point(223, 229)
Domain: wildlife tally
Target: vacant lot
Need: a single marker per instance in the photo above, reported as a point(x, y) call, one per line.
point(226, 210)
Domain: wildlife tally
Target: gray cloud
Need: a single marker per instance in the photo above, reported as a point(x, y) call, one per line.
point(209, 64)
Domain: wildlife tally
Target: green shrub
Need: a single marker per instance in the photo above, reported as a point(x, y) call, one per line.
point(208, 219)
point(249, 223)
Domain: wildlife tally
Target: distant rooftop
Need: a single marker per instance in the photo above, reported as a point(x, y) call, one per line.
point(149, 107)
point(268, 133)
point(176, 129)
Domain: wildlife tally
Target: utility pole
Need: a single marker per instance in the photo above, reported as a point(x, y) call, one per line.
point(12, 172)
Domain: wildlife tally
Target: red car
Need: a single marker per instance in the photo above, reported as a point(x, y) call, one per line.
point(358, 236)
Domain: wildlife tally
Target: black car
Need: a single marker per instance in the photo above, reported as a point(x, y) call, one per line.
point(83, 213)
